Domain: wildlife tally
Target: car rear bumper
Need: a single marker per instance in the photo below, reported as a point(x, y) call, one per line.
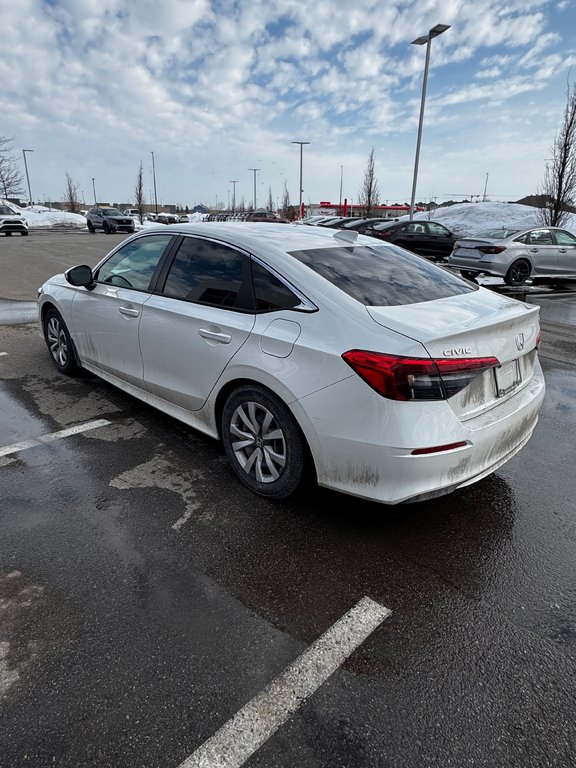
point(383, 468)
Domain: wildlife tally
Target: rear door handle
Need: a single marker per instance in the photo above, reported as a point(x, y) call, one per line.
point(129, 311)
point(533, 250)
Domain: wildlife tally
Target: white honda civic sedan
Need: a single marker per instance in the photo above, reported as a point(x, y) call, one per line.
point(311, 353)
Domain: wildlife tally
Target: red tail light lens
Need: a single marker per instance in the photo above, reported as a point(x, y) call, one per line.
point(492, 248)
point(415, 378)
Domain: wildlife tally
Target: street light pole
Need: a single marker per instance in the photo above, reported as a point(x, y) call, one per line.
point(154, 178)
point(425, 39)
point(341, 175)
point(254, 170)
point(301, 190)
point(485, 187)
point(234, 181)
point(27, 176)
point(94, 190)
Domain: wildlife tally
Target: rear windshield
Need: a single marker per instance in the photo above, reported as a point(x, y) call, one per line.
point(496, 234)
point(383, 276)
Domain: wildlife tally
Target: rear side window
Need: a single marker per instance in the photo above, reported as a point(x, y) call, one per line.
point(383, 276)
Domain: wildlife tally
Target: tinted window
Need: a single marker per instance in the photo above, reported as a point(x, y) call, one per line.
point(383, 275)
point(437, 229)
point(205, 272)
point(270, 292)
point(134, 265)
point(564, 238)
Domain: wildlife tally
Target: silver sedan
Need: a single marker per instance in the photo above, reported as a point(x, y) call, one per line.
point(517, 255)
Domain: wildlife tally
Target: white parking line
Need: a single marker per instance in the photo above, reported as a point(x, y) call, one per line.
point(244, 733)
point(3, 353)
point(16, 447)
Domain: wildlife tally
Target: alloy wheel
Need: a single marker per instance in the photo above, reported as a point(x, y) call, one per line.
point(258, 442)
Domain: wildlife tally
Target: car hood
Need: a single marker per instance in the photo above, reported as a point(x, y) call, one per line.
point(469, 325)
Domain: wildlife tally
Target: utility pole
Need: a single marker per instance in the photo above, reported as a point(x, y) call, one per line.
point(301, 190)
point(27, 177)
point(254, 171)
point(234, 182)
point(154, 177)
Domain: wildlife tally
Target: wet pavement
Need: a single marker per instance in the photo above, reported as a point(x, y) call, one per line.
point(146, 597)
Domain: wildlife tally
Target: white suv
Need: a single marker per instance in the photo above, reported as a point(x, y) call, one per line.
point(10, 221)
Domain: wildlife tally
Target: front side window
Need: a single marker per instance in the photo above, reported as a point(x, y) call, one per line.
point(206, 272)
point(133, 265)
point(384, 275)
point(564, 238)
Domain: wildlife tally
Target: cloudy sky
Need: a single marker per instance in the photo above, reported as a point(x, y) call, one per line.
point(215, 88)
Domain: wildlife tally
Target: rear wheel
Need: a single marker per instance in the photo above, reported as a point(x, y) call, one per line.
point(263, 442)
point(106, 228)
point(518, 272)
point(90, 227)
point(59, 343)
point(469, 274)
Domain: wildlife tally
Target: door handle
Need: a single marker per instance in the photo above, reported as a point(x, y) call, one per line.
point(533, 250)
point(129, 311)
point(563, 250)
point(225, 338)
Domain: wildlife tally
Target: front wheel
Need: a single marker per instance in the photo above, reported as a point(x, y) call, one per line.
point(518, 272)
point(59, 343)
point(263, 442)
point(24, 233)
point(90, 227)
point(469, 274)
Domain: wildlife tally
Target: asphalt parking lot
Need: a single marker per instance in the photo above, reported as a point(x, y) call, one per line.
point(155, 613)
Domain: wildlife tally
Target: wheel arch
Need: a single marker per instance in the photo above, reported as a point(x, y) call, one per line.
point(298, 414)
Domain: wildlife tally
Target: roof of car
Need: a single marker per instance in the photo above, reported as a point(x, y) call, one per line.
point(252, 235)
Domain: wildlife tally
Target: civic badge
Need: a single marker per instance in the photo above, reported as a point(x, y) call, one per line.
point(519, 341)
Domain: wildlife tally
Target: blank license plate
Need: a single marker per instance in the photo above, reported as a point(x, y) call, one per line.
point(507, 377)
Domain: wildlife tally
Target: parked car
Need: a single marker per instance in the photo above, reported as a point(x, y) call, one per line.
point(427, 238)
point(12, 222)
point(110, 220)
point(338, 222)
point(265, 216)
point(517, 255)
point(310, 353)
point(361, 225)
point(166, 218)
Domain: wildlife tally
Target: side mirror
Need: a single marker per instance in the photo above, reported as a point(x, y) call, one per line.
point(81, 275)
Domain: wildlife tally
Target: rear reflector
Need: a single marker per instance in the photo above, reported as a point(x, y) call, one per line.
point(416, 378)
point(438, 448)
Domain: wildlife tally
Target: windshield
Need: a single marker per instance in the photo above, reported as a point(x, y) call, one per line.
point(111, 212)
point(5, 211)
point(383, 275)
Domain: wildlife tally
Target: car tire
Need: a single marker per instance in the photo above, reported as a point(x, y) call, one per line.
point(90, 227)
point(59, 343)
point(518, 272)
point(263, 442)
point(24, 234)
point(106, 228)
point(468, 274)
point(8, 234)
point(131, 231)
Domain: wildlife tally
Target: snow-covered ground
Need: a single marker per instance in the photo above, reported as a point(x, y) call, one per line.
point(463, 218)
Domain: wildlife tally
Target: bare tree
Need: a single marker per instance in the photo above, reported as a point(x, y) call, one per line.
point(369, 195)
point(71, 195)
point(285, 200)
point(139, 193)
point(559, 185)
point(270, 203)
point(11, 180)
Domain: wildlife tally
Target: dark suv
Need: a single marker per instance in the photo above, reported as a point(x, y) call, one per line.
point(110, 220)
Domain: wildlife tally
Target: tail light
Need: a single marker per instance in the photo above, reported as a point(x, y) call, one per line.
point(491, 248)
point(415, 378)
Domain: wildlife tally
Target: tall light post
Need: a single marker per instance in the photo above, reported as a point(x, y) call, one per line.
point(341, 176)
point(94, 190)
point(425, 39)
point(27, 176)
point(301, 190)
point(254, 171)
point(154, 178)
point(234, 181)
point(485, 187)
